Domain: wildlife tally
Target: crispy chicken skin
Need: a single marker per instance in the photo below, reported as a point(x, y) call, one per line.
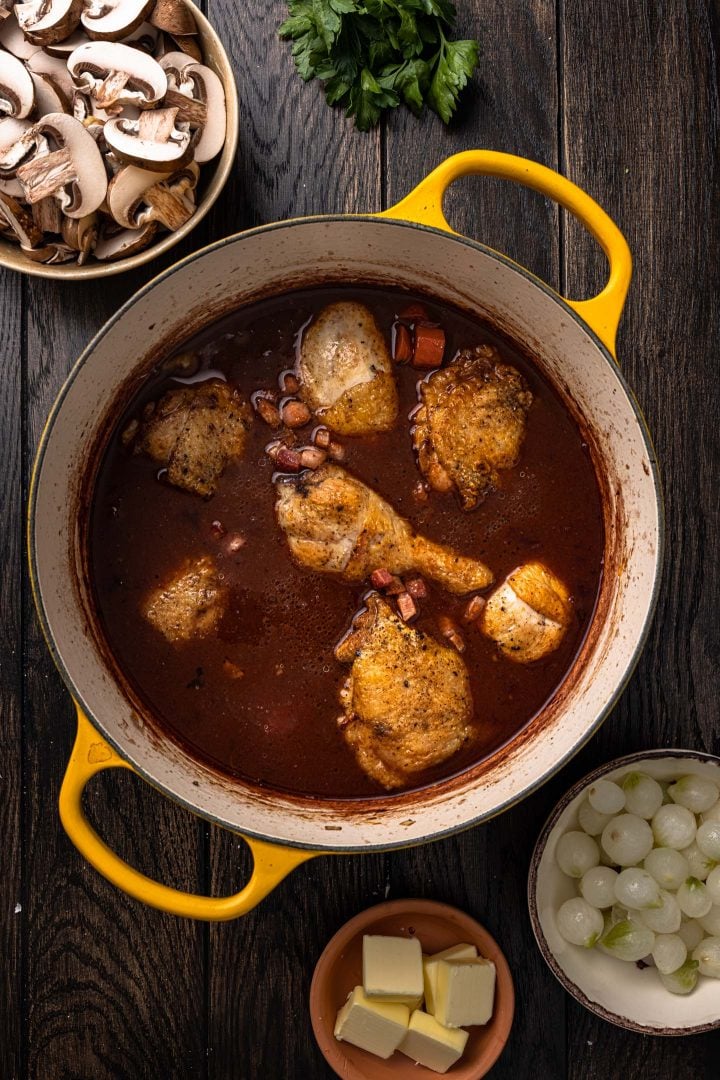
point(345, 371)
point(470, 423)
point(195, 431)
point(336, 524)
point(189, 604)
point(407, 701)
point(528, 614)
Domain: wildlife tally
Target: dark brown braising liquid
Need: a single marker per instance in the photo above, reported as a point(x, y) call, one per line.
point(277, 725)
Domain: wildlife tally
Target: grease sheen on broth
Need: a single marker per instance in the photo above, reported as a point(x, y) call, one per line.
point(276, 726)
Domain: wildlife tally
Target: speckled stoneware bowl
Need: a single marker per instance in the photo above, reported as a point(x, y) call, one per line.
point(620, 992)
point(339, 969)
point(213, 177)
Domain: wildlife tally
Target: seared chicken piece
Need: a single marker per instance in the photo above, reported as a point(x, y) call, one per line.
point(528, 614)
point(407, 700)
point(470, 423)
point(345, 371)
point(190, 604)
point(335, 524)
point(195, 431)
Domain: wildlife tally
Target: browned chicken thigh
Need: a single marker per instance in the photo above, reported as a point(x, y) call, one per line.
point(470, 423)
point(345, 371)
point(189, 604)
point(407, 702)
point(528, 615)
point(195, 431)
point(335, 524)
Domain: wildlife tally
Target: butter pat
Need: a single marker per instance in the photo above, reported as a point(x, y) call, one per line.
point(430, 966)
point(465, 992)
point(430, 1044)
point(392, 969)
point(376, 1026)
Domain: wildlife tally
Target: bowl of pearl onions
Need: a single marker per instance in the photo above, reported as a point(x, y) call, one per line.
point(624, 892)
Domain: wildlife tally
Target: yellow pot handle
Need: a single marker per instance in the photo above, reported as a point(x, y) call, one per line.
point(90, 755)
point(424, 205)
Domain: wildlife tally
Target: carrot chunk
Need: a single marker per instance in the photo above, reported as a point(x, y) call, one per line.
point(402, 344)
point(429, 346)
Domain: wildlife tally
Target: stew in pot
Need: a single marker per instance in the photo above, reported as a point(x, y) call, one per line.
point(347, 542)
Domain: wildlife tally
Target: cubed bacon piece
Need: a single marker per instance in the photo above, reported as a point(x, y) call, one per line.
point(406, 606)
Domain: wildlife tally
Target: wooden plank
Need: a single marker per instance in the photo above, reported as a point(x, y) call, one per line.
point(296, 157)
point(113, 989)
point(11, 677)
point(641, 135)
point(513, 107)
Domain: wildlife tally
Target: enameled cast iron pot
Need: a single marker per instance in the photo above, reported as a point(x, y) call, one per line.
point(412, 246)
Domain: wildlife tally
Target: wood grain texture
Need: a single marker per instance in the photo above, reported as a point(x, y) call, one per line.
point(622, 97)
point(654, 165)
point(112, 989)
point(11, 678)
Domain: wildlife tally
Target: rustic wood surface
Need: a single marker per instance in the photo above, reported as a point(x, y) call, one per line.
point(622, 96)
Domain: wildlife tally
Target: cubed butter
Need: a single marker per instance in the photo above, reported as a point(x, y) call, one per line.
point(430, 963)
point(431, 1044)
point(465, 992)
point(392, 969)
point(376, 1026)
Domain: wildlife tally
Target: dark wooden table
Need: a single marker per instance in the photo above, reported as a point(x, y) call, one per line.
point(622, 96)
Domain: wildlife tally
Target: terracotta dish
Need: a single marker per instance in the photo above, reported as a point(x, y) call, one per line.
point(339, 969)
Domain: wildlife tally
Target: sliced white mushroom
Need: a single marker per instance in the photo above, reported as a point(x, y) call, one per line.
point(117, 74)
point(13, 39)
point(17, 94)
point(144, 37)
point(110, 20)
point(74, 172)
point(152, 142)
point(47, 215)
point(81, 234)
point(49, 97)
point(20, 221)
point(44, 64)
point(28, 143)
point(5, 8)
point(174, 17)
point(136, 196)
point(11, 130)
point(46, 21)
point(208, 89)
point(54, 252)
point(122, 244)
point(67, 45)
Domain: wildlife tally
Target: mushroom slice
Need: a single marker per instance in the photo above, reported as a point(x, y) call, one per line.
point(11, 130)
point(5, 8)
point(136, 196)
point(29, 143)
point(55, 252)
point(188, 44)
point(20, 221)
point(43, 63)
point(81, 235)
point(47, 215)
point(17, 94)
point(74, 173)
point(198, 94)
point(49, 97)
point(109, 20)
point(174, 17)
point(62, 49)
point(47, 21)
point(152, 142)
point(127, 242)
point(173, 64)
point(115, 73)
point(13, 39)
point(145, 37)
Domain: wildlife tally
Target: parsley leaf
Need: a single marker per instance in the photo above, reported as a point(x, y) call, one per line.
point(374, 55)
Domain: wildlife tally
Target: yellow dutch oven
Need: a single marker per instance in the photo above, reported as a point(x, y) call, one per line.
point(412, 246)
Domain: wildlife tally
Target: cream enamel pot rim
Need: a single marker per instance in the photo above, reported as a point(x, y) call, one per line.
point(413, 247)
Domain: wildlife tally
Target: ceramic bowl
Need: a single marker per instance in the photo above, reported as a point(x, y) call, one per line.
point(213, 177)
point(620, 992)
point(339, 969)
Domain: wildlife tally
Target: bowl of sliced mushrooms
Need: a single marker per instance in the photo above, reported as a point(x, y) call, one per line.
point(118, 130)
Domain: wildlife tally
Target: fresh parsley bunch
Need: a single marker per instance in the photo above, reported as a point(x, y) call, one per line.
point(374, 54)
